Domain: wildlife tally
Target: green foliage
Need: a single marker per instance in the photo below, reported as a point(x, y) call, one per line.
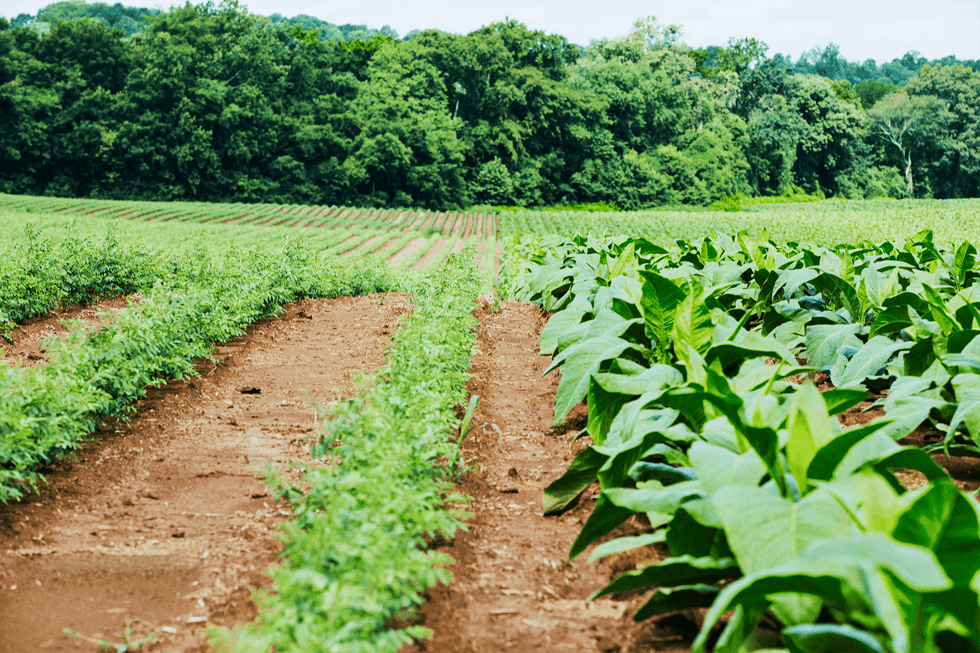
point(827, 62)
point(955, 170)
point(873, 90)
point(738, 57)
point(38, 276)
point(129, 643)
point(210, 102)
point(912, 125)
point(791, 195)
point(494, 184)
point(823, 223)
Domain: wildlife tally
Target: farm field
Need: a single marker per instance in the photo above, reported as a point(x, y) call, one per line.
point(407, 240)
point(165, 518)
point(161, 522)
point(826, 223)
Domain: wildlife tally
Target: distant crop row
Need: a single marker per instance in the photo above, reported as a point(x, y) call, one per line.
point(463, 225)
point(821, 223)
point(404, 239)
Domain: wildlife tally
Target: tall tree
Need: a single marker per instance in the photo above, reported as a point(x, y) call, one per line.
point(871, 91)
point(737, 57)
point(826, 147)
point(206, 90)
point(28, 106)
point(910, 124)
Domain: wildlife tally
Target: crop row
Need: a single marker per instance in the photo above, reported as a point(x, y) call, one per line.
point(355, 555)
point(758, 501)
point(39, 275)
point(402, 250)
point(100, 370)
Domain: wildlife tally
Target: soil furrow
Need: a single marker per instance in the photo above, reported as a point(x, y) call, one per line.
point(430, 256)
point(514, 588)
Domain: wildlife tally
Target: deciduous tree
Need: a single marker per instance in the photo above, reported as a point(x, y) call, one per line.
point(910, 124)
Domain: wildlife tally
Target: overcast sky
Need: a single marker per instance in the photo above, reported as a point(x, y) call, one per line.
point(875, 29)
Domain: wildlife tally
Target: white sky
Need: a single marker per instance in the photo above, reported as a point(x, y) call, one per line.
point(876, 29)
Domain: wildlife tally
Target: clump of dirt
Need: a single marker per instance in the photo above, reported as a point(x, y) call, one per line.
point(164, 522)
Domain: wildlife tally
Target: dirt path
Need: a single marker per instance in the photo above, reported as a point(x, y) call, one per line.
point(164, 522)
point(514, 589)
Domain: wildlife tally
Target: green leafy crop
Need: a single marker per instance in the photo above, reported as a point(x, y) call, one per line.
point(764, 503)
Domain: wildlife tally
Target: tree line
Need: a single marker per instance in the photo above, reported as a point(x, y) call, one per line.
point(208, 102)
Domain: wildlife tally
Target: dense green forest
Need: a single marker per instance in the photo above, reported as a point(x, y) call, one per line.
point(209, 102)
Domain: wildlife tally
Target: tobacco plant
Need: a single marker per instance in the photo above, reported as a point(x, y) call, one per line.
point(759, 500)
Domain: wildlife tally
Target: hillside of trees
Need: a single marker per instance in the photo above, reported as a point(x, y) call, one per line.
point(209, 102)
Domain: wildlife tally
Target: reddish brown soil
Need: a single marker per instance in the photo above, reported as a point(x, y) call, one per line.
point(161, 217)
point(454, 224)
point(341, 219)
point(481, 254)
point(422, 221)
point(25, 346)
point(381, 247)
point(346, 240)
point(403, 219)
point(364, 248)
point(963, 470)
point(165, 521)
point(467, 229)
